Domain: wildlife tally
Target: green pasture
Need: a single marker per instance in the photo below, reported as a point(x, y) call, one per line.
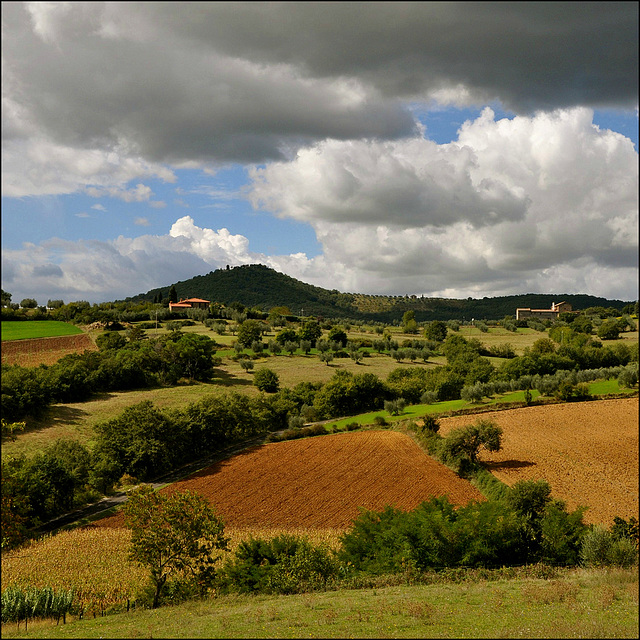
point(577, 603)
point(17, 330)
point(77, 420)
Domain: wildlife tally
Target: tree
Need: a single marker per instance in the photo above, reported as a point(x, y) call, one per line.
point(171, 534)
point(310, 331)
point(336, 334)
point(286, 335)
point(409, 324)
point(250, 331)
point(28, 303)
point(291, 346)
point(436, 330)
point(173, 294)
point(609, 330)
point(5, 298)
point(266, 380)
point(466, 442)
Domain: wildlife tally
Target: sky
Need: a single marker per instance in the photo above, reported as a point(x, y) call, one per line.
point(444, 149)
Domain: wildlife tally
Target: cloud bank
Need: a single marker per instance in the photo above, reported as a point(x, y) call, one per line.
point(541, 203)
point(318, 99)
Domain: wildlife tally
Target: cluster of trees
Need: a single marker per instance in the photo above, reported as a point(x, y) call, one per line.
point(180, 536)
point(121, 364)
point(142, 443)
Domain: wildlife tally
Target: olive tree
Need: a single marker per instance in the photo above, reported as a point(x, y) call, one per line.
point(466, 442)
point(172, 534)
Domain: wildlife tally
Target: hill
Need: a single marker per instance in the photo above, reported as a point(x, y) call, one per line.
point(260, 287)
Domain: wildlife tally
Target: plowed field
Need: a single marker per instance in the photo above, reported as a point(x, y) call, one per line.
point(587, 451)
point(35, 351)
point(320, 483)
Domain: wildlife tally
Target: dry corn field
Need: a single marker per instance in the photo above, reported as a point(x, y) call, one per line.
point(35, 351)
point(587, 451)
point(320, 483)
point(93, 560)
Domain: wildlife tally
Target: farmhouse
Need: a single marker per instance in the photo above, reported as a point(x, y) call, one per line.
point(556, 309)
point(189, 303)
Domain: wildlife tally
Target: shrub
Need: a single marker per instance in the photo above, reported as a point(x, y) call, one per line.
point(266, 380)
point(431, 424)
point(628, 377)
point(429, 397)
point(568, 392)
point(380, 421)
point(283, 564)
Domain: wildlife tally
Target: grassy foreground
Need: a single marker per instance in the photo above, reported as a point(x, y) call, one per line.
point(578, 603)
point(20, 330)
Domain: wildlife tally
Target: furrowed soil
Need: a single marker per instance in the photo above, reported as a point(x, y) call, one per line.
point(35, 351)
point(321, 482)
point(587, 451)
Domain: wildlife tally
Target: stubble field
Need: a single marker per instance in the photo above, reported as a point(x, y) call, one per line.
point(587, 451)
point(32, 352)
point(322, 482)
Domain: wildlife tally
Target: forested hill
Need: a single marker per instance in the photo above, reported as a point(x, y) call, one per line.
point(263, 288)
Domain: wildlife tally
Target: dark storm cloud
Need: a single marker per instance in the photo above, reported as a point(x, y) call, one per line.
point(529, 55)
point(249, 82)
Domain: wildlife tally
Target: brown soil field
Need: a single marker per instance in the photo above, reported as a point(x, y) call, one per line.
point(321, 482)
point(35, 351)
point(587, 451)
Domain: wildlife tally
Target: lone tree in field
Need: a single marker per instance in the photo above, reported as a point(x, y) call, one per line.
point(175, 534)
point(266, 380)
point(466, 442)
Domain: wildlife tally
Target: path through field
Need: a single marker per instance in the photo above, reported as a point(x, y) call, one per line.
point(321, 482)
point(587, 451)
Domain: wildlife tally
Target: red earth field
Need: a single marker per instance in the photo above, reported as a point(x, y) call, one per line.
point(587, 451)
point(322, 482)
point(35, 351)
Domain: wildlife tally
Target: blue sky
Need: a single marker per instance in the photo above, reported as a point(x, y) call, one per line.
point(143, 145)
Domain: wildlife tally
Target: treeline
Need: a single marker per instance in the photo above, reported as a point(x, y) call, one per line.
point(120, 365)
point(123, 364)
point(140, 444)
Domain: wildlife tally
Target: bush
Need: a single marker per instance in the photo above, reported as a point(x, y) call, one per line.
point(266, 380)
point(283, 564)
point(431, 424)
point(568, 392)
point(429, 397)
point(600, 548)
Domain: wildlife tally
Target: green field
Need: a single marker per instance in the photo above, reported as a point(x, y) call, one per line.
point(13, 330)
point(579, 603)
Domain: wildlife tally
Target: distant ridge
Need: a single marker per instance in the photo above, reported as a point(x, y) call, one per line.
point(258, 286)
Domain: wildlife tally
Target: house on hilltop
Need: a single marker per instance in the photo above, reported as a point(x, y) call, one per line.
point(189, 303)
point(556, 309)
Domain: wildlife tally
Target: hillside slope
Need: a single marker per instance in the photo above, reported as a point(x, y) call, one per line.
point(261, 287)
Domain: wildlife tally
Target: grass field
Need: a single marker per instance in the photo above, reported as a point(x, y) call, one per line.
point(76, 420)
point(22, 330)
point(575, 604)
